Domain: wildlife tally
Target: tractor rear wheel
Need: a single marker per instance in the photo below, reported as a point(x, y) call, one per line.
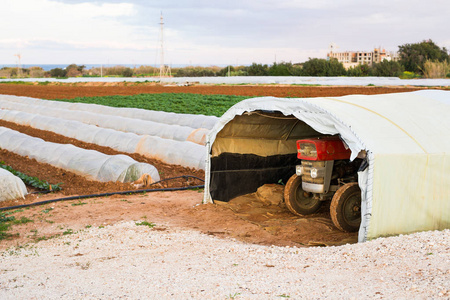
point(345, 208)
point(297, 200)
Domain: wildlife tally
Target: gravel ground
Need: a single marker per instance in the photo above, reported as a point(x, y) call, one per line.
point(125, 261)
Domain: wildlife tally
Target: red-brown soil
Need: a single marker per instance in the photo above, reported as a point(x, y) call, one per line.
point(77, 185)
point(59, 90)
point(244, 218)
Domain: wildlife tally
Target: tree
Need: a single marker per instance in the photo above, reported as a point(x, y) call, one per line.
point(296, 70)
point(257, 70)
point(74, 70)
point(280, 69)
point(414, 56)
point(224, 71)
point(387, 69)
point(335, 68)
point(359, 70)
point(314, 67)
point(127, 72)
point(58, 72)
point(323, 67)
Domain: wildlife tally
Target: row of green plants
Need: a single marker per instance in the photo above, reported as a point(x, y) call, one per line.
point(32, 181)
point(212, 105)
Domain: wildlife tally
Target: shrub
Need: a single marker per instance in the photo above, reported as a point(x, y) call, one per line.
point(436, 69)
point(36, 72)
point(146, 70)
point(408, 75)
point(194, 72)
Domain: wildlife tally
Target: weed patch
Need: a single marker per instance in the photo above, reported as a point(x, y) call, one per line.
point(233, 296)
point(22, 220)
point(47, 210)
point(145, 223)
point(79, 203)
point(68, 231)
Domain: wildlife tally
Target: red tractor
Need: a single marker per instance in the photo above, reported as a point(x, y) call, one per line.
point(325, 173)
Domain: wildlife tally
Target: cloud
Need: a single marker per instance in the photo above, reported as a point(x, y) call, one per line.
point(31, 23)
point(70, 44)
point(205, 31)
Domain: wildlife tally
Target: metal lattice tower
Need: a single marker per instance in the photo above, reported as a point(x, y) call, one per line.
point(164, 71)
point(19, 65)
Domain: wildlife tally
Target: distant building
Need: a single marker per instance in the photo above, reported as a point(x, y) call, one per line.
point(351, 58)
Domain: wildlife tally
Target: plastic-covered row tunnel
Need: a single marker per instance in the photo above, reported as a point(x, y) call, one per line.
point(406, 187)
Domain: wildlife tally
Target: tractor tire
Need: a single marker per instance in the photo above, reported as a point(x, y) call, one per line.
point(345, 208)
point(298, 201)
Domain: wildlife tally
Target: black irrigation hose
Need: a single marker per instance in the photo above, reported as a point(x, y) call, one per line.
point(167, 179)
point(113, 193)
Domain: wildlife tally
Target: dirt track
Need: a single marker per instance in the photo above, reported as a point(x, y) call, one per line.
point(245, 219)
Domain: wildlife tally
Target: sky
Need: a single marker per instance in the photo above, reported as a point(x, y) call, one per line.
point(232, 32)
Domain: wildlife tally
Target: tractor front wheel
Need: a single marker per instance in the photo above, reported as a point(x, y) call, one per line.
point(345, 208)
point(297, 200)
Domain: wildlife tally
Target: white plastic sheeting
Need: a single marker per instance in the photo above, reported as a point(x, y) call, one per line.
point(185, 154)
point(359, 81)
point(407, 137)
point(11, 187)
point(88, 163)
point(142, 127)
point(189, 120)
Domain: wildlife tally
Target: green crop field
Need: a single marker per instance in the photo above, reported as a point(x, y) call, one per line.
point(212, 105)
